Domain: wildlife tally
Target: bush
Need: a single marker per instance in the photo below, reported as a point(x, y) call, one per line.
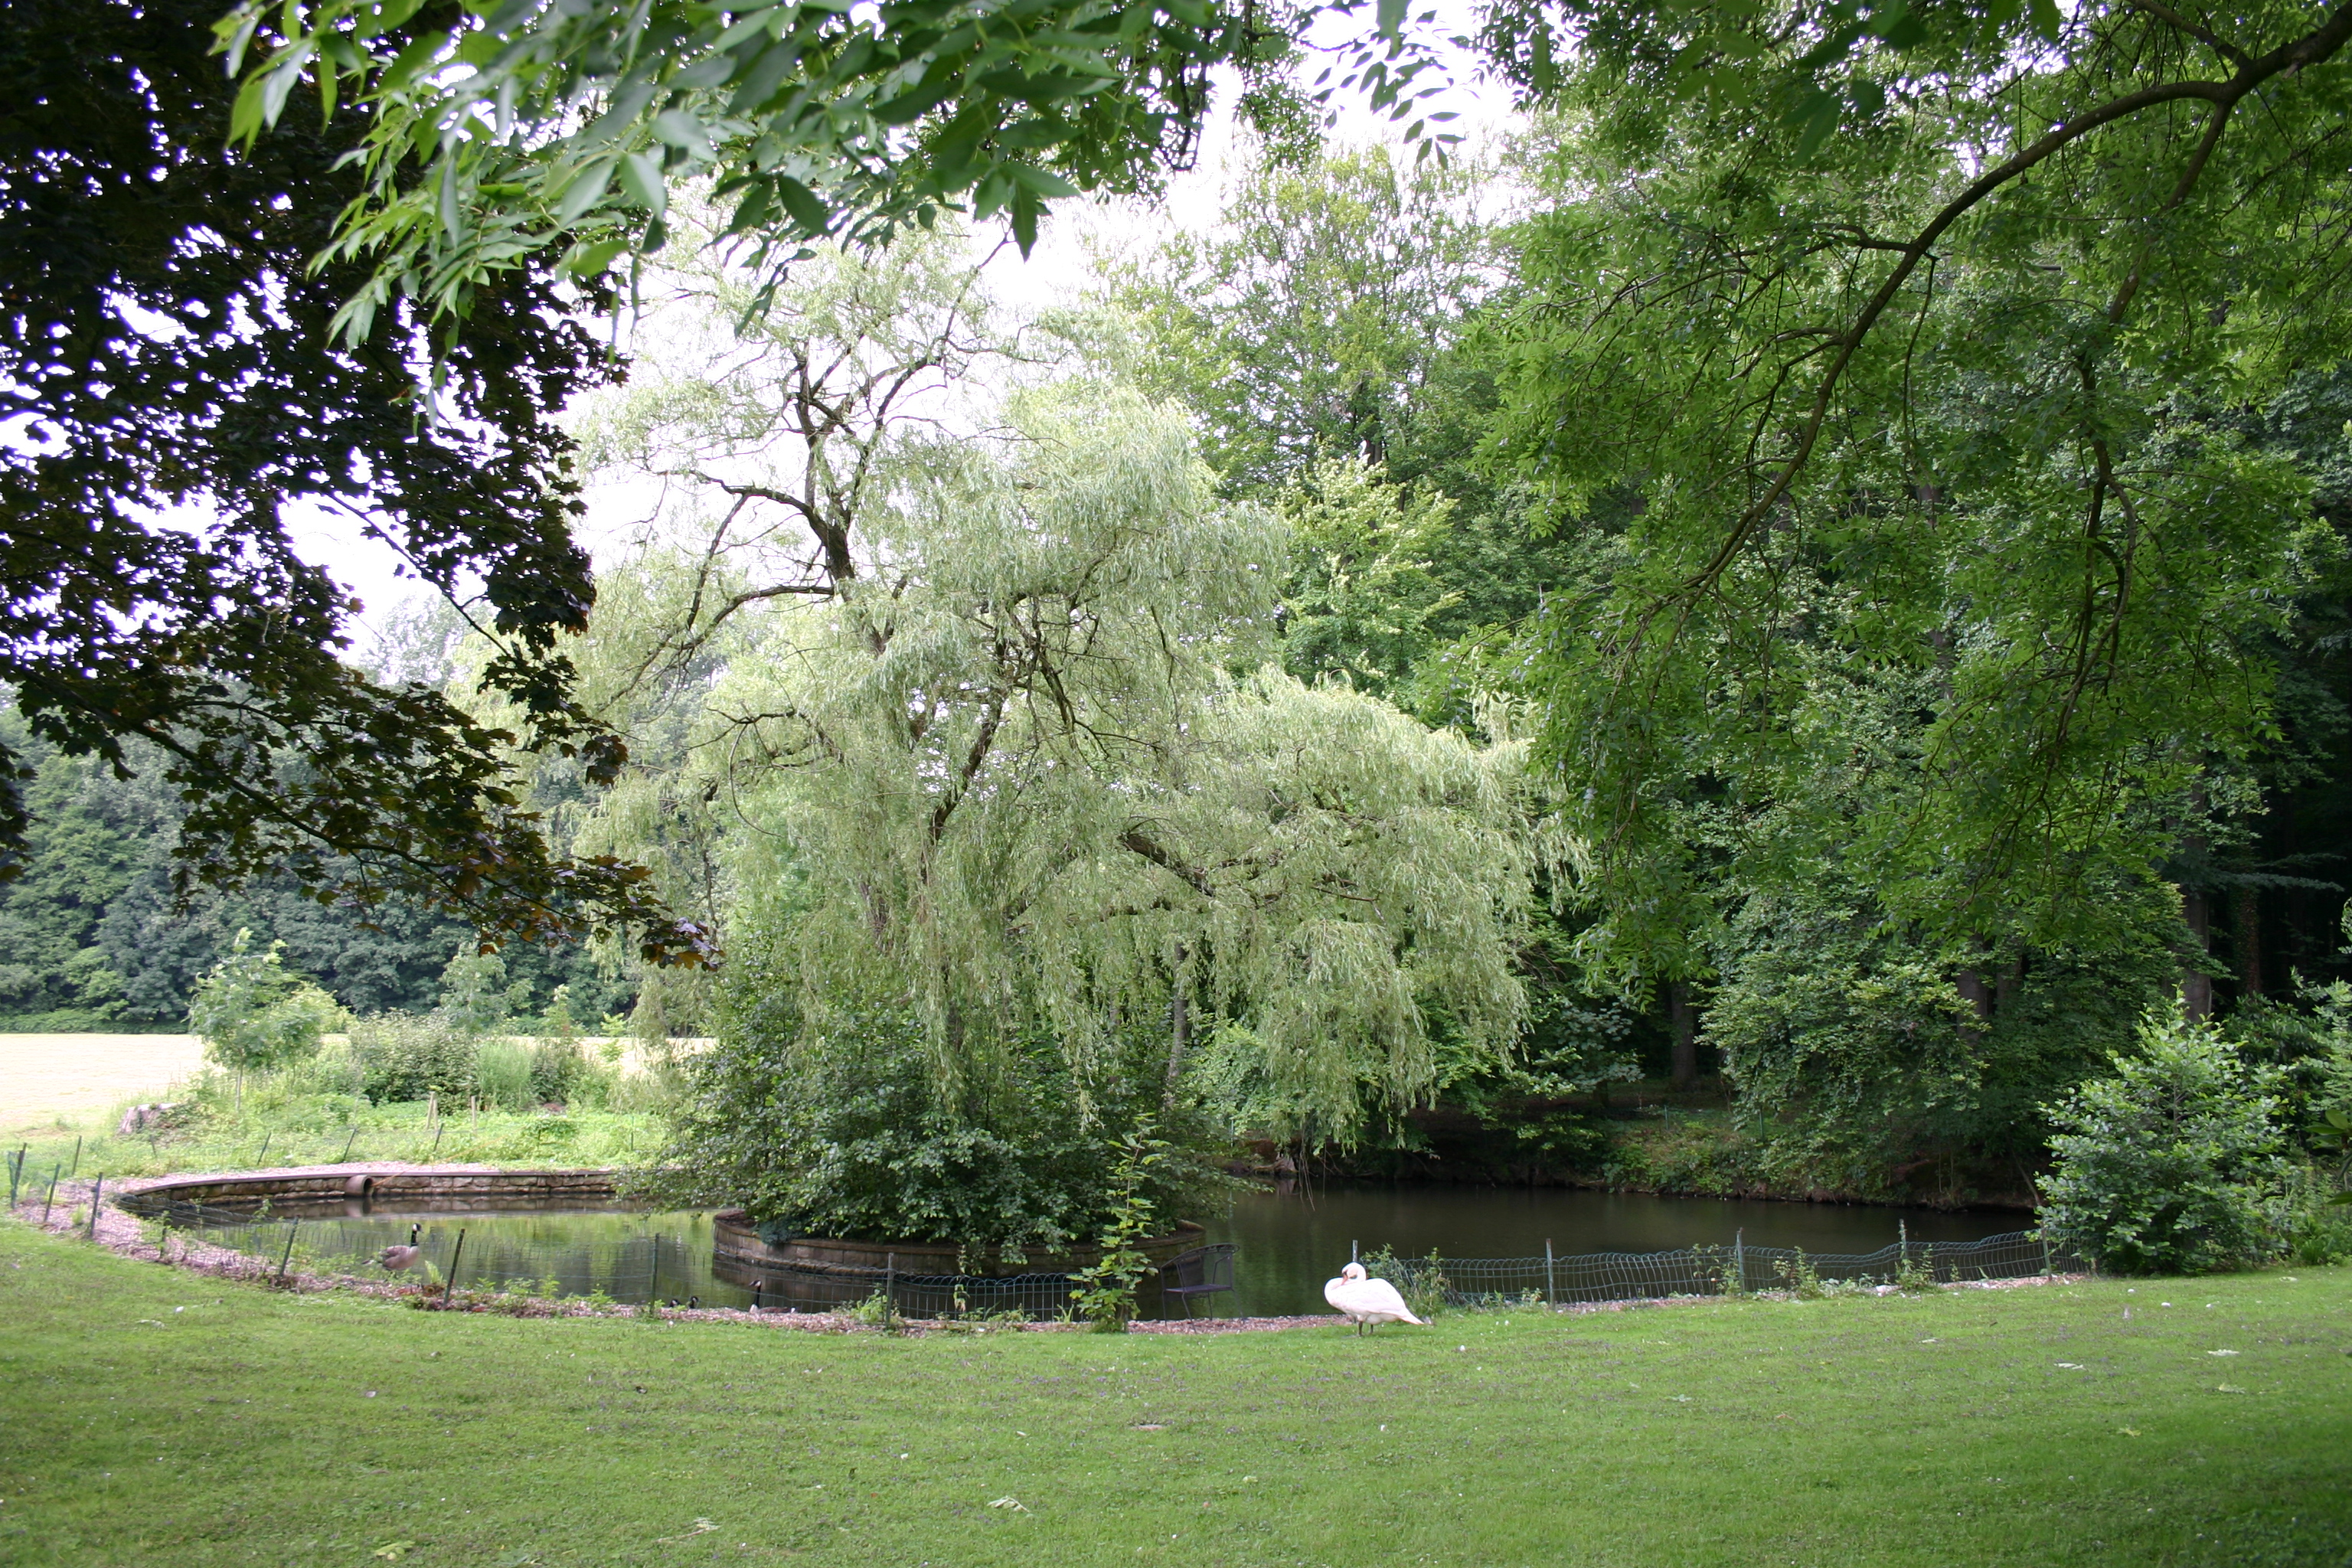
point(2171, 1166)
point(842, 1127)
point(502, 1075)
point(253, 1014)
point(560, 1072)
point(2319, 1224)
point(401, 1057)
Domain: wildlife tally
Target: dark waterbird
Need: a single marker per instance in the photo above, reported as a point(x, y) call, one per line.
point(399, 1258)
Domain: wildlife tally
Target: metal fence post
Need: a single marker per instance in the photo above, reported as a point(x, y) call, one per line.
point(890, 1288)
point(263, 1157)
point(284, 1256)
point(1739, 1260)
point(77, 1161)
point(349, 1142)
point(449, 1287)
point(97, 1195)
point(1551, 1281)
point(55, 1171)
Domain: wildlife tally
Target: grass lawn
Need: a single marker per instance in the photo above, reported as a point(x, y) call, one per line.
point(154, 1417)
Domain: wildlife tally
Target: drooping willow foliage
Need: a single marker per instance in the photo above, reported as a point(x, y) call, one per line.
point(968, 692)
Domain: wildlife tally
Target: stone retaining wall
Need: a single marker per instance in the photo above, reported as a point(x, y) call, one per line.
point(409, 1186)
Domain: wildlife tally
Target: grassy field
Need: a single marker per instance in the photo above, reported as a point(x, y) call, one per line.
point(380, 1132)
point(79, 1078)
point(158, 1417)
point(278, 1123)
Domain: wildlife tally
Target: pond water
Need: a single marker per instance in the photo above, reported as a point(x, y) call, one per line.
point(1289, 1242)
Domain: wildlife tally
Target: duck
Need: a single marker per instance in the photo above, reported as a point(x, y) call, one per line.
point(1366, 1302)
point(399, 1258)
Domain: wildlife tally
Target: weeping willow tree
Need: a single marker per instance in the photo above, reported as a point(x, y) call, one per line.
point(1007, 768)
point(1000, 777)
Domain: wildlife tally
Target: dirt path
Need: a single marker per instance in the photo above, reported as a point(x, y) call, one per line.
point(75, 1076)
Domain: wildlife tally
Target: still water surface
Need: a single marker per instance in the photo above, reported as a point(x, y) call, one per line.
point(1289, 1242)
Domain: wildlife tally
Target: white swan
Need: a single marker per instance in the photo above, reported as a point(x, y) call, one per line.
point(1366, 1301)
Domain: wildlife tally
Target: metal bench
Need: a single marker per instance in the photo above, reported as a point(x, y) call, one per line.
point(1203, 1271)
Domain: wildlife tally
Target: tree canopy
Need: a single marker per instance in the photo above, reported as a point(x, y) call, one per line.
point(173, 393)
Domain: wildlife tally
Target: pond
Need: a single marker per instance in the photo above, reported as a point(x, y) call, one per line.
point(1289, 1242)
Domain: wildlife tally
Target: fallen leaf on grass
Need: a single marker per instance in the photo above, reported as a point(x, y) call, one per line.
point(392, 1551)
point(1150, 1426)
point(2220, 1353)
point(702, 1527)
point(2228, 1388)
point(2129, 1431)
point(1014, 1504)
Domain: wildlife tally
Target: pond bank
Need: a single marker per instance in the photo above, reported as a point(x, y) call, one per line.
point(127, 1236)
point(1668, 1148)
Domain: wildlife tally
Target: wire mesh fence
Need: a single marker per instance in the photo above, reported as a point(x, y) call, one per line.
point(1715, 1270)
point(490, 1253)
point(631, 1267)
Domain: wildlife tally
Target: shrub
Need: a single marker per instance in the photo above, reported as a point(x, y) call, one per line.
point(559, 1071)
point(2318, 1225)
point(253, 1014)
point(401, 1057)
point(843, 1127)
point(2173, 1164)
point(502, 1072)
point(1105, 1296)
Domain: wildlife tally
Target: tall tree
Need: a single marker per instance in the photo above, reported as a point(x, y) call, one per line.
point(173, 393)
point(973, 727)
point(1914, 338)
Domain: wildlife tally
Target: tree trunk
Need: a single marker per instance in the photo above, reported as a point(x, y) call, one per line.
point(1976, 993)
point(2196, 988)
point(1179, 1028)
point(2006, 982)
point(1684, 1019)
point(2247, 918)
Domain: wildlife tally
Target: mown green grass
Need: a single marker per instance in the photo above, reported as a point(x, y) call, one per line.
point(157, 1417)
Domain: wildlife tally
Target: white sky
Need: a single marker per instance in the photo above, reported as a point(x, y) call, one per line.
point(1057, 271)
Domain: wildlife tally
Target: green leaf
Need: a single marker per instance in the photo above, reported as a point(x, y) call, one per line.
point(1818, 113)
point(641, 177)
point(807, 208)
point(916, 102)
point(586, 189)
point(1037, 181)
point(1025, 210)
point(683, 131)
point(1392, 17)
point(2045, 18)
point(760, 82)
point(280, 84)
point(588, 261)
point(452, 211)
point(245, 115)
